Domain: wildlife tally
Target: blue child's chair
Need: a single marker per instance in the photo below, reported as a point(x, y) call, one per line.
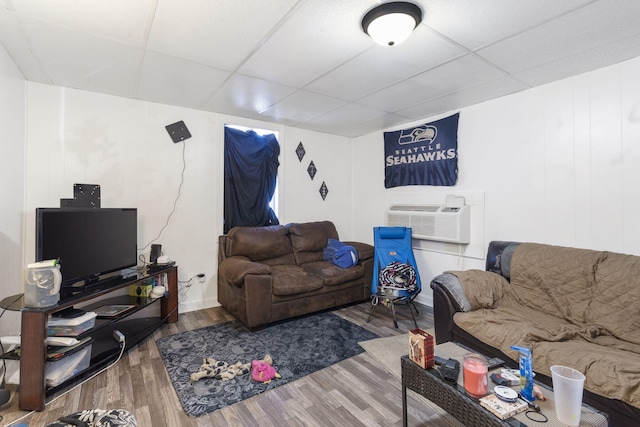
point(395, 273)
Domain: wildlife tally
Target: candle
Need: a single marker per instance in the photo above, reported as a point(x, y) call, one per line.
point(474, 374)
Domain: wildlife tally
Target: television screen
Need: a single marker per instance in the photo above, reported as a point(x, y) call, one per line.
point(89, 242)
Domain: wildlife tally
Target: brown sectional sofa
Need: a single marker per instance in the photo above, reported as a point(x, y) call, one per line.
point(266, 274)
point(573, 307)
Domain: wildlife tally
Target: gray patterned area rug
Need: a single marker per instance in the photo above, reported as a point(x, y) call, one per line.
point(298, 347)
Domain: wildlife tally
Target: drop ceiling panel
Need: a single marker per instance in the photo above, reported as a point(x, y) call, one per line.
point(463, 98)
point(220, 33)
point(601, 56)
point(302, 106)
point(453, 76)
point(376, 124)
point(117, 78)
point(381, 66)
point(124, 21)
point(69, 55)
point(175, 81)
point(595, 25)
point(247, 96)
point(475, 24)
point(12, 37)
point(250, 58)
point(340, 118)
point(320, 36)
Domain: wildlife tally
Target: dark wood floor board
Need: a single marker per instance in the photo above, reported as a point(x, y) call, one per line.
point(138, 388)
point(357, 391)
point(213, 419)
point(335, 417)
point(143, 416)
point(231, 417)
point(315, 392)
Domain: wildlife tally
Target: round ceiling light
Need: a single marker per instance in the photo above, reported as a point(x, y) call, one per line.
point(391, 23)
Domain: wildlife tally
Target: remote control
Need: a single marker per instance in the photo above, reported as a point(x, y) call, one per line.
point(494, 362)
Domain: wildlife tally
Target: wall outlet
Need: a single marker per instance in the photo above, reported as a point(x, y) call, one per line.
point(201, 277)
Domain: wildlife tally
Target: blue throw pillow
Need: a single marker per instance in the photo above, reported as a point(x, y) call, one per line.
point(340, 254)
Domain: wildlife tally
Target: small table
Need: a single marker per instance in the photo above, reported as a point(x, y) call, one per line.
point(454, 400)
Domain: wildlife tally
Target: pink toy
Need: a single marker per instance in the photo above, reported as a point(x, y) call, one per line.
point(262, 371)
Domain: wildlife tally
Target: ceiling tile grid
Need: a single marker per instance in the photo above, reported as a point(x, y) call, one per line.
point(307, 63)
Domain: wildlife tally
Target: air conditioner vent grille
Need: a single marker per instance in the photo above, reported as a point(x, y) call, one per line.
point(415, 208)
point(431, 222)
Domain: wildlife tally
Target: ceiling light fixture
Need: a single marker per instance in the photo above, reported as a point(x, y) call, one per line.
point(391, 23)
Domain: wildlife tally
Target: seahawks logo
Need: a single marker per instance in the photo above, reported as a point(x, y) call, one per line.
point(418, 134)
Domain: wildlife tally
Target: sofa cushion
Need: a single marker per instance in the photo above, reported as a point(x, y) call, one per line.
point(259, 243)
point(234, 269)
point(616, 303)
point(331, 274)
point(555, 280)
point(609, 371)
point(291, 280)
point(309, 239)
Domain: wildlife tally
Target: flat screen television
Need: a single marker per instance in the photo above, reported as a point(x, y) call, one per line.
point(90, 242)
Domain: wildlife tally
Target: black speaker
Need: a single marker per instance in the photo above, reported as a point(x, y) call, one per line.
point(156, 251)
point(86, 195)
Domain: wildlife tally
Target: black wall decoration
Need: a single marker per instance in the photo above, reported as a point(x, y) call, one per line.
point(312, 170)
point(324, 190)
point(300, 151)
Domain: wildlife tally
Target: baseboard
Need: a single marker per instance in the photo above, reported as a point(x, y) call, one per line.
point(425, 298)
point(185, 307)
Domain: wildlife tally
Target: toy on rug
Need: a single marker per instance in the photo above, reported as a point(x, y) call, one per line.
point(263, 371)
point(212, 368)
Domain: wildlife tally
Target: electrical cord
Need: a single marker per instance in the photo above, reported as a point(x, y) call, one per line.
point(122, 341)
point(4, 362)
point(175, 202)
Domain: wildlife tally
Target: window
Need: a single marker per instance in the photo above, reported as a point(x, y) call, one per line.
point(250, 177)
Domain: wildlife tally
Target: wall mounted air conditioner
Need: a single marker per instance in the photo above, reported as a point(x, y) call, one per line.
point(433, 222)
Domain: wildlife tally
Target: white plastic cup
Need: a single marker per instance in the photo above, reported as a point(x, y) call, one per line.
point(568, 385)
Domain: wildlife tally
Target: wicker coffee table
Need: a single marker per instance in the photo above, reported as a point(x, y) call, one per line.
point(453, 399)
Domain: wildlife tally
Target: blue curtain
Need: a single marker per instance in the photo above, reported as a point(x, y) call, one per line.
point(250, 172)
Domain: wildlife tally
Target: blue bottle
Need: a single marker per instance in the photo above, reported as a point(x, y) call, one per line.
point(526, 372)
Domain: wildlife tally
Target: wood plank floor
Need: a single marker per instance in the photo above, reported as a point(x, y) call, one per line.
point(355, 392)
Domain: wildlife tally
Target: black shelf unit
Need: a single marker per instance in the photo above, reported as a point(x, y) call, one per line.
point(105, 349)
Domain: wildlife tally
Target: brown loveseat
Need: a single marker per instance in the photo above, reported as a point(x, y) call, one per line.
point(266, 274)
point(573, 307)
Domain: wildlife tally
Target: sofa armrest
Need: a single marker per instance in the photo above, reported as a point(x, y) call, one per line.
point(448, 298)
point(234, 269)
point(480, 288)
point(365, 250)
point(461, 291)
point(453, 289)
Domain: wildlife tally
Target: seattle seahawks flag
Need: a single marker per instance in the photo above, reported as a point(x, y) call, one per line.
point(423, 155)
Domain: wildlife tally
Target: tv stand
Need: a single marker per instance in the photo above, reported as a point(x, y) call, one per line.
point(96, 281)
point(33, 390)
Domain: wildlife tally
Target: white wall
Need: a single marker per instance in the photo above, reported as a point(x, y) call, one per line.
point(558, 164)
point(12, 145)
point(122, 145)
point(302, 200)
